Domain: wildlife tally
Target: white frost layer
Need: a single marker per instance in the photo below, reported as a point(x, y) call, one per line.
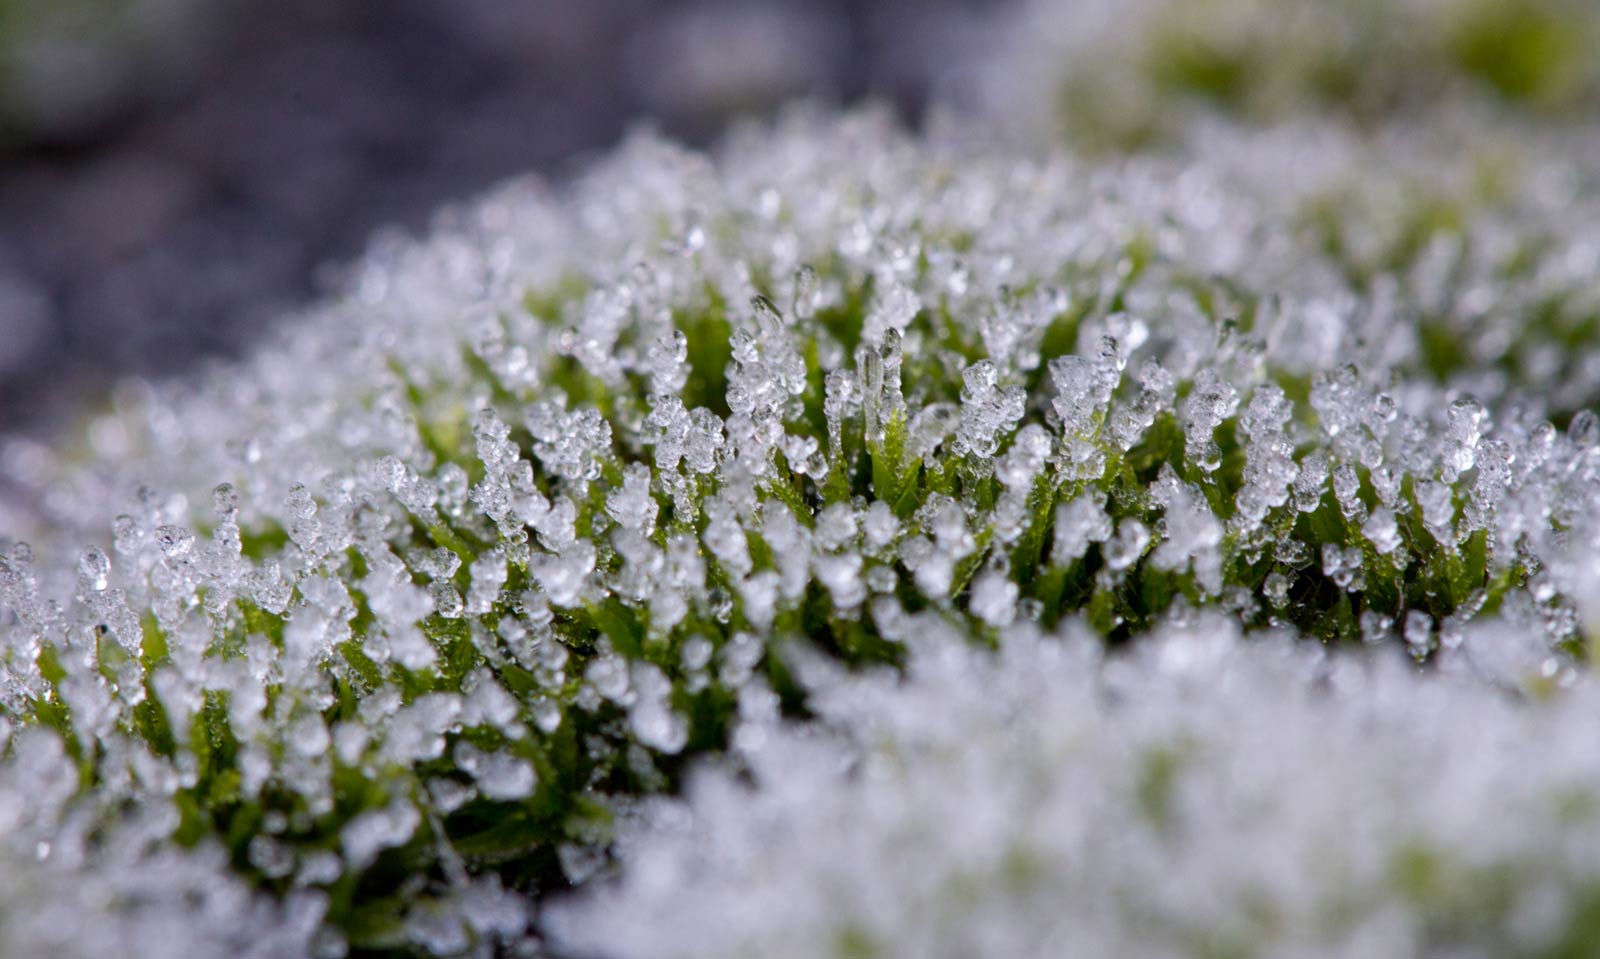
point(324, 448)
point(73, 886)
point(1202, 794)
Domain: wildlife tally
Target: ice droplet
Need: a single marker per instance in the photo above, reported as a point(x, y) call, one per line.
point(94, 568)
point(175, 541)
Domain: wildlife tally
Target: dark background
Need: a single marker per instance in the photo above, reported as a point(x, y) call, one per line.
point(177, 218)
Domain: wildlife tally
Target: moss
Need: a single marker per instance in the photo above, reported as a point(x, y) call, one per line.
point(1525, 50)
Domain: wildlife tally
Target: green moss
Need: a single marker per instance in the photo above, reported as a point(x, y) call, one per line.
point(1154, 793)
point(854, 942)
point(1183, 64)
point(1526, 50)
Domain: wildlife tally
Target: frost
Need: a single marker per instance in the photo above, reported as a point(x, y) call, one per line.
point(1125, 548)
point(434, 594)
point(841, 576)
point(1211, 401)
point(1364, 791)
point(1022, 463)
point(499, 776)
point(372, 832)
point(632, 506)
point(986, 409)
point(1079, 523)
point(994, 599)
point(1381, 531)
point(651, 716)
point(94, 569)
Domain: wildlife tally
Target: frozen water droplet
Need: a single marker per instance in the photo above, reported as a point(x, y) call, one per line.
point(1276, 587)
point(1419, 632)
point(94, 568)
point(127, 535)
point(224, 501)
point(447, 601)
point(1584, 429)
point(299, 503)
point(175, 541)
point(669, 366)
point(804, 301)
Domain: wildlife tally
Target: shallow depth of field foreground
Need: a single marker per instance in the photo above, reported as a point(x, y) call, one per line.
point(1153, 510)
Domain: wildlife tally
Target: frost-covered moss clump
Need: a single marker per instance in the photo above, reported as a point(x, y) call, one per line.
point(1200, 795)
point(395, 623)
point(1133, 74)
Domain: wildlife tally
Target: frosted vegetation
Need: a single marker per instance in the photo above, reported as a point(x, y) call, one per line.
point(1133, 73)
point(1188, 553)
point(1199, 795)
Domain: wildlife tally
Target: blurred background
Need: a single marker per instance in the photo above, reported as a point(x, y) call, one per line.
point(177, 174)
